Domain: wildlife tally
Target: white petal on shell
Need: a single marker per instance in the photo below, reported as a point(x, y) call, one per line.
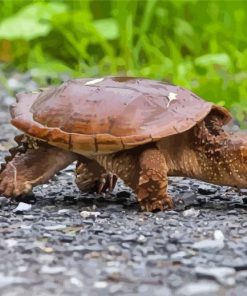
point(94, 81)
point(171, 97)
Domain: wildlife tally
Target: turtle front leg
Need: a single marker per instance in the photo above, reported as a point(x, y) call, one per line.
point(145, 171)
point(32, 167)
point(153, 181)
point(92, 177)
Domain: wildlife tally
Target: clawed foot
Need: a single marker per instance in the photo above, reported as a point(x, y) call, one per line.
point(91, 177)
point(158, 205)
point(107, 183)
point(9, 184)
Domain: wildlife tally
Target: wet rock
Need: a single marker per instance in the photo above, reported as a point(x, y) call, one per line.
point(141, 239)
point(209, 245)
point(245, 200)
point(223, 275)
point(128, 237)
point(3, 201)
point(191, 213)
point(12, 280)
point(171, 248)
point(236, 263)
point(207, 189)
point(178, 255)
point(200, 288)
point(175, 281)
point(52, 269)
point(123, 194)
point(100, 284)
point(218, 235)
point(66, 238)
point(22, 207)
point(86, 214)
point(28, 217)
point(55, 227)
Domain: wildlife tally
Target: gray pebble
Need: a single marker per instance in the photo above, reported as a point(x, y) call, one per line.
point(22, 207)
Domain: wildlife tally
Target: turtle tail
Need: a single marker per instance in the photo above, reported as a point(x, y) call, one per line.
point(21, 147)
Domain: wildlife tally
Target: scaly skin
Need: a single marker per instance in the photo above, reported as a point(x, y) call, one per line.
point(205, 152)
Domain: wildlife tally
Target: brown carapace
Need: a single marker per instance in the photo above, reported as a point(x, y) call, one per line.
point(139, 130)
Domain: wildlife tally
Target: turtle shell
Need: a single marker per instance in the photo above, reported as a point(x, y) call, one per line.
point(105, 115)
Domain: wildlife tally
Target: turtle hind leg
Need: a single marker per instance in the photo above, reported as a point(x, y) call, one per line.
point(153, 181)
point(92, 177)
point(26, 169)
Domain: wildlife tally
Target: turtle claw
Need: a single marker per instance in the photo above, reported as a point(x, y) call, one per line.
point(107, 183)
point(102, 182)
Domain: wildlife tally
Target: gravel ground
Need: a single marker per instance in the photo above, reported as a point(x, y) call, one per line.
point(62, 242)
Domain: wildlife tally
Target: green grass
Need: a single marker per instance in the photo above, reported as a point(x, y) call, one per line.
point(198, 44)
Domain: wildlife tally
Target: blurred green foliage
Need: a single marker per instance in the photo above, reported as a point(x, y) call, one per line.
point(201, 45)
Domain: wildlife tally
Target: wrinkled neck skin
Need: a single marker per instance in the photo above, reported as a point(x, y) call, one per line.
point(219, 159)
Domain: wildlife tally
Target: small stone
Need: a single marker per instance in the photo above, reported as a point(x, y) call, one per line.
point(63, 211)
point(223, 275)
point(123, 194)
point(178, 255)
point(114, 288)
point(52, 269)
point(141, 239)
point(8, 100)
point(3, 201)
point(66, 238)
point(171, 248)
point(47, 250)
point(75, 281)
point(100, 284)
point(28, 217)
point(200, 288)
point(209, 245)
point(10, 243)
point(191, 213)
point(242, 276)
point(87, 214)
point(22, 207)
point(11, 280)
point(55, 227)
point(175, 281)
point(206, 189)
point(128, 237)
point(15, 84)
point(218, 235)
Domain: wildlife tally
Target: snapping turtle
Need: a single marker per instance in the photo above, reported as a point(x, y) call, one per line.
point(137, 129)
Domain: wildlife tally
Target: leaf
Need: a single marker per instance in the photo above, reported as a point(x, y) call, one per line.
point(30, 22)
point(107, 28)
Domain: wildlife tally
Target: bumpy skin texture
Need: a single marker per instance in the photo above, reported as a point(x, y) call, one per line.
point(152, 184)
